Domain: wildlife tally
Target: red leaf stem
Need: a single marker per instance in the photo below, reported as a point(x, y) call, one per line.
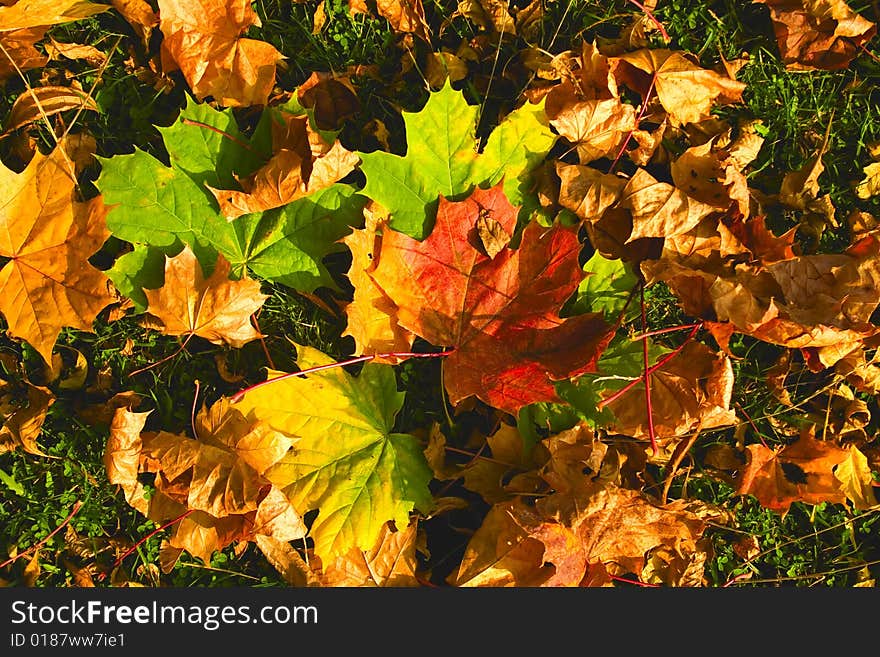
point(660, 363)
point(351, 361)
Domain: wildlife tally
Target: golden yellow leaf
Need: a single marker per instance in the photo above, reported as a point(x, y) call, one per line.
point(217, 308)
point(48, 235)
point(855, 479)
point(372, 315)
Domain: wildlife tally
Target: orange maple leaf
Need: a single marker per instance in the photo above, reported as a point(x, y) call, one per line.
point(49, 236)
point(800, 472)
point(216, 308)
point(500, 314)
point(203, 37)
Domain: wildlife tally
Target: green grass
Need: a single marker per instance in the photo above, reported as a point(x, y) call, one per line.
point(825, 545)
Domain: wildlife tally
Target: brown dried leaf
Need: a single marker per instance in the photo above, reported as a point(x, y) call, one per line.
point(391, 562)
point(686, 91)
point(659, 209)
point(801, 472)
point(22, 426)
point(818, 34)
point(587, 191)
point(691, 392)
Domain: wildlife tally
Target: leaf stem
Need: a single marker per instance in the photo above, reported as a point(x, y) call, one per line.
point(232, 138)
point(649, 407)
point(237, 397)
point(149, 536)
point(37, 546)
point(652, 18)
point(660, 363)
point(638, 120)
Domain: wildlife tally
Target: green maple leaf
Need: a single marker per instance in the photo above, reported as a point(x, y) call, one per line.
point(441, 158)
point(168, 207)
point(607, 288)
point(346, 461)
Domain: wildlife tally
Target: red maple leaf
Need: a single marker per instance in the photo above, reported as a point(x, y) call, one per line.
point(499, 313)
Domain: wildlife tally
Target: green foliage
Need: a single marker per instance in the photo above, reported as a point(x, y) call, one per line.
point(154, 205)
point(441, 159)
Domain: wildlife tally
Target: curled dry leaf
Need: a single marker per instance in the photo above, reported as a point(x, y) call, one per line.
point(818, 34)
point(217, 308)
point(564, 537)
point(40, 102)
point(22, 424)
point(216, 479)
point(818, 302)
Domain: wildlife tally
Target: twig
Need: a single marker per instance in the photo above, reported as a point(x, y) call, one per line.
point(660, 363)
point(638, 120)
point(649, 407)
point(237, 397)
point(147, 538)
point(37, 546)
point(678, 455)
point(652, 18)
point(167, 358)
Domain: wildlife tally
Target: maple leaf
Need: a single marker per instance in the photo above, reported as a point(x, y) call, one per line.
point(216, 308)
point(502, 552)
point(218, 478)
point(405, 16)
point(48, 236)
point(346, 462)
point(498, 313)
point(870, 185)
point(821, 302)
point(855, 479)
point(692, 391)
point(511, 454)
point(167, 207)
point(441, 159)
point(619, 527)
point(559, 541)
point(372, 315)
point(302, 164)
point(391, 562)
point(686, 91)
point(587, 191)
point(659, 209)
point(204, 38)
point(800, 472)
point(818, 34)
